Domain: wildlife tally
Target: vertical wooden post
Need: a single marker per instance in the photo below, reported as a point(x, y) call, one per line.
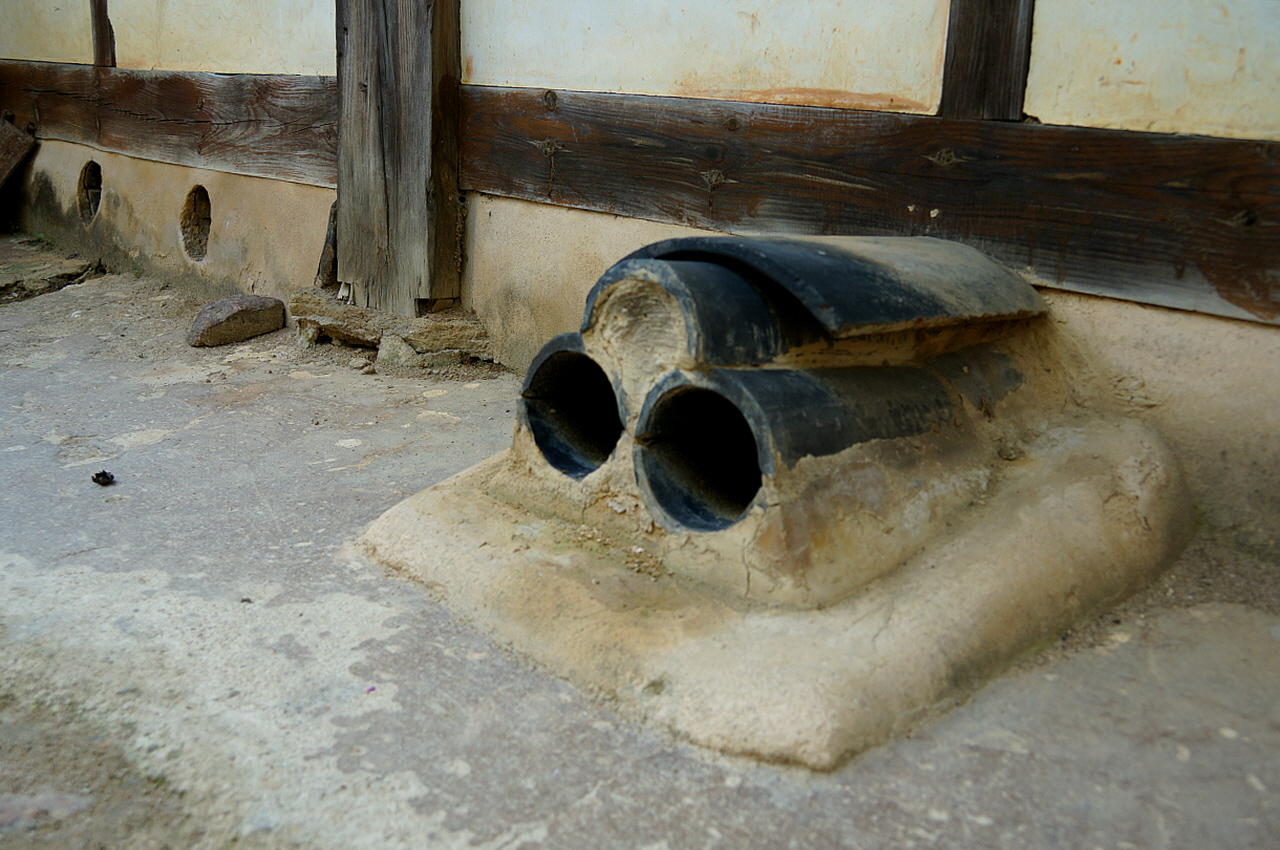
point(104, 37)
point(398, 229)
point(988, 55)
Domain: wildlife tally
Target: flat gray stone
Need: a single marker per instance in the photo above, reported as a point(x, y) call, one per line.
point(320, 315)
point(30, 267)
point(236, 318)
point(394, 351)
point(446, 333)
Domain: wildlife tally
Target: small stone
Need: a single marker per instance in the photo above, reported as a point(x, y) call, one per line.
point(319, 315)
point(359, 363)
point(394, 351)
point(325, 316)
point(33, 273)
point(1009, 451)
point(446, 333)
point(309, 333)
point(236, 318)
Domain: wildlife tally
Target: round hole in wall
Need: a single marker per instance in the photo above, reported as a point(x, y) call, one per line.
point(697, 456)
point(572, 413)
point(195, 223)
point(89, 191)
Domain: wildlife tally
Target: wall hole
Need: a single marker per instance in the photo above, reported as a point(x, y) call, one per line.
point(89, 191)
point(195, 223)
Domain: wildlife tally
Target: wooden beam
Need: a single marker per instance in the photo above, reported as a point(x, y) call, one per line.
point(988, 55)
point(1180, 221)
point(398, 214)
point(14, 147)
point(282, 127)
point(104, 37)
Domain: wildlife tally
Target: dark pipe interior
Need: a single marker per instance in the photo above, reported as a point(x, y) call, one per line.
point(698, 456)
point(572, 413)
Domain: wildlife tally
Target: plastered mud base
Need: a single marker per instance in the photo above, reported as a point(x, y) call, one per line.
point(1090, 511)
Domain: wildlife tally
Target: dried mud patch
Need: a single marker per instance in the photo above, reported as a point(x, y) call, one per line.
point(66, 784)
point(1206, 573)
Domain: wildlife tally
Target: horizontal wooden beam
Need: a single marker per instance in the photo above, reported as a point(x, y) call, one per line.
point(277, 126)
point(1180, 221)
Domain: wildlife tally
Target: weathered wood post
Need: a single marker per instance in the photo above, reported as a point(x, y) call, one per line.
point(399, 219)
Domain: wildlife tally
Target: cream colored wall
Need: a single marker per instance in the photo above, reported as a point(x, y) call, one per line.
point(266, 236)
point(244, 37)
point(44, 31)
point(529, 267)
point(879, 54)
point(1169, 66)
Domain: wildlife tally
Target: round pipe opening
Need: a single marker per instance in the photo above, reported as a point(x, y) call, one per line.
point(572, 412)
point(698, 458)
point(195, 223)
point(89, 191)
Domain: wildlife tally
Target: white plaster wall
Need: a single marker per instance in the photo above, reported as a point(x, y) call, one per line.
point(243, 37)
point(1169, 66)
point(530, 266)
point(266, 236)
point(880, 54)
point(45, 31)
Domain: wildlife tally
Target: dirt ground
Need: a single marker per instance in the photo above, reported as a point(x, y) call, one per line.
point(1206, 573)
point(64, 785)
point(68, 780)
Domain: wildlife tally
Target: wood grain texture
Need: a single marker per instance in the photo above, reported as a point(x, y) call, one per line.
point(397, 202)
point(448, 206)
point(1186, 222)
point(104, 37)
point(988, 57)
point(282, 127)
point(14, 147)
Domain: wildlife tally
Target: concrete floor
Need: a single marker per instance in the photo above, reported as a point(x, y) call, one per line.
point(207, 617)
